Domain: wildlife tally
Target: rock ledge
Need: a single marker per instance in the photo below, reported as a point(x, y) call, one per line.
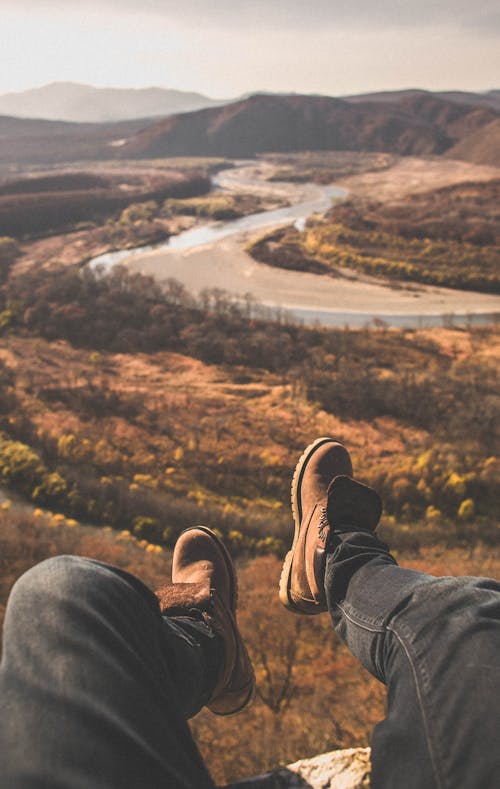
point(348, 769)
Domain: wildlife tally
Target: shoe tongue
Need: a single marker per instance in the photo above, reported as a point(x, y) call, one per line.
point(350, 503)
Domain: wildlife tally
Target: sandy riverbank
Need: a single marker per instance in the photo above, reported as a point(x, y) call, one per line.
point(225, 264)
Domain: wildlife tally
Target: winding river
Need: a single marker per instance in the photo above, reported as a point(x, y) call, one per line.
point(213, 256)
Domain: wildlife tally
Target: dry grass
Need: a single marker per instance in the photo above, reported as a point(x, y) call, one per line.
point(411, 175)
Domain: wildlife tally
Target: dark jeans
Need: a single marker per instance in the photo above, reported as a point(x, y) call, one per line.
point(95, 685)
point(435, 643)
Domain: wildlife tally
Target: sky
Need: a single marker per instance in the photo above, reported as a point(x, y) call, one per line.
point(224, 48)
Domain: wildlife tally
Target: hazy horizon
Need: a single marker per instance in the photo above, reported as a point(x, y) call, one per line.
point(331, 47)
point(253, 92)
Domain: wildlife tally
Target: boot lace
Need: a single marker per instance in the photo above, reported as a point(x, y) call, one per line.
point(323, 524)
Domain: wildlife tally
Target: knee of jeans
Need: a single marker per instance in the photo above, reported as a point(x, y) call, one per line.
point(77, 583)
point(60, 577)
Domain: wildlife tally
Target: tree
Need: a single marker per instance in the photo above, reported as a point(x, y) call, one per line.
point(9, 251)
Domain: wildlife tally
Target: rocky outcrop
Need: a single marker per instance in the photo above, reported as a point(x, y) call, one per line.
point(349, 769)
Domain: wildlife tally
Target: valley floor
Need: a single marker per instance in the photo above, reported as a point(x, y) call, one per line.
point(350, 297)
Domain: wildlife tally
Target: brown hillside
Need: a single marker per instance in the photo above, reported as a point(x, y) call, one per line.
point(286, 123)
point(452, 119)
point(418, 124)
point(482, 146)
point(24, 140)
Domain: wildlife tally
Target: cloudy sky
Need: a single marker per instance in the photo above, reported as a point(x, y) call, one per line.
point(227, 47)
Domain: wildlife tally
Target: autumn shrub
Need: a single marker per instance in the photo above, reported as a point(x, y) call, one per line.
point(138, 212)
point(7, 393)
point(95, 401)
point(9, 251)
point(219, 207)
point(20, 466)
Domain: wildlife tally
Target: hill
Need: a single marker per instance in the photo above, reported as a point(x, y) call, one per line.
point(70, 101)
point(418, 124)
point(481, 146)
point(489, 98)
point(33, 141)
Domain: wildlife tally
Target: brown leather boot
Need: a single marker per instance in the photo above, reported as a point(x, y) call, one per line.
point(323, 495)
point(204, 580)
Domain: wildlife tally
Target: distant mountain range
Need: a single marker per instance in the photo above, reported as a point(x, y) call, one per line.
point(70, 101)
point(77, 103)
point(412, 122)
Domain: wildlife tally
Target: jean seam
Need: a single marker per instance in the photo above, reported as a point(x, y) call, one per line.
point(359, 622)
point(419, 691)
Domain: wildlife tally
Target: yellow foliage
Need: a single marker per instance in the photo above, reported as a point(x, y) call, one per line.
point(456, 483)
point(72, 449)
point(424, 460)
point(105, 454)
point(146, 481)
point(270, 458)
point(424, 490)
point(432, 514)
point(125, 536)
point(154, 549)
point(466, 510)
point(65, 444)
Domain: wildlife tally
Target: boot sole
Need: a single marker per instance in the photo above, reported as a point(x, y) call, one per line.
point(286, 572)
point(234, 598)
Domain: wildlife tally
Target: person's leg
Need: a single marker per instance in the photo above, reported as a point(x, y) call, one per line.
point(434, 641)
point(204, 578)
point(95, 685)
